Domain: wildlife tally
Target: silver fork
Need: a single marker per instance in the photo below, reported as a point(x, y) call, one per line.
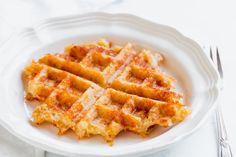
point(224, 149)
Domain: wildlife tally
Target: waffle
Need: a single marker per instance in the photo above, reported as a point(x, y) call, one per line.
point(101, 89)
point(94, 63)
point(142, 77)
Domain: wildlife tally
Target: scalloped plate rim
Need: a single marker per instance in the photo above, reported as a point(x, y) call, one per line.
point(178, 35)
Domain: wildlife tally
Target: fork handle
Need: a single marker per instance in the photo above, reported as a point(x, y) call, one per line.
point(223, 144)
point(224, 149)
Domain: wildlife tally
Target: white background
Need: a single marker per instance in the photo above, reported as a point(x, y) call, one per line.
point(209, 22)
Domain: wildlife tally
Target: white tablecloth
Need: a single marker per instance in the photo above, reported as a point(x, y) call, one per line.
point(211, 22)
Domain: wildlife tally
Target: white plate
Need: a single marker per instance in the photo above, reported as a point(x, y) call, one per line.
point(184, 59)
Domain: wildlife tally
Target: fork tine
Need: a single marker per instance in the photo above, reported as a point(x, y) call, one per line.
point(219, 66)
point(211, 54)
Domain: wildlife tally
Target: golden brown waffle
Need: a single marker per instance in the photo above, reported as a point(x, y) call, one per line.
point(99, 89)
point(94, 63)
point(142, 77)
point(116, 111)
point(64, 96)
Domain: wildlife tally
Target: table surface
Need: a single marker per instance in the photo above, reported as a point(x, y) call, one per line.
point(210, 23)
